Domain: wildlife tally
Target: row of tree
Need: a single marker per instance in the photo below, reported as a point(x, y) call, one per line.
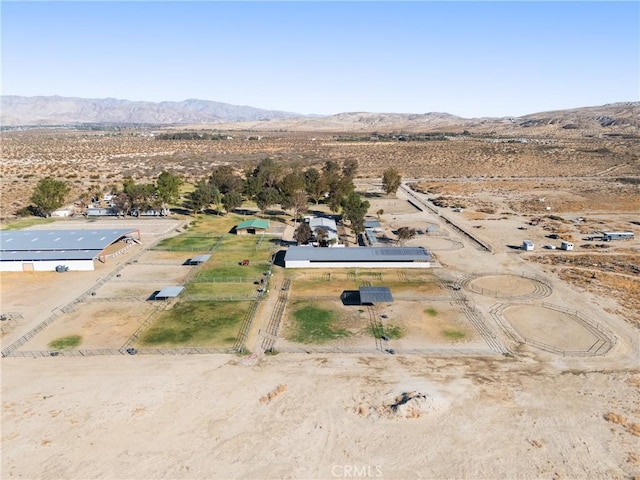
point(50, 194)
point(268, 183)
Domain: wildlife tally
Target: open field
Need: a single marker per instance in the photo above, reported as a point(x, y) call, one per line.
point(104, 158)
point(563, 404)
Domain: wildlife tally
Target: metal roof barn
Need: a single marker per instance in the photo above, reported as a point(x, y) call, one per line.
point(357, 257)
point(43, 250)
point(375, 295)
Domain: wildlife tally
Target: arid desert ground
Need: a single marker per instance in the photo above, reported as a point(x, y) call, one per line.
point(544, 381)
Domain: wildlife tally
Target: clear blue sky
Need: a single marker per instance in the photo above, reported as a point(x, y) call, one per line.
point(466, 58)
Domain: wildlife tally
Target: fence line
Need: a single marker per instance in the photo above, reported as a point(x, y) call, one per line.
point(194, 297)
point(121, 351)
point(143, 326)
point(273, 327)
point(205, 279)
point(588, 321)
point(542, 288)
point(604, 339)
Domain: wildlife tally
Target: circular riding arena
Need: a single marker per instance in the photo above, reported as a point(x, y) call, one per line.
point(554, 329)
point(436, 244)
point(509, 286)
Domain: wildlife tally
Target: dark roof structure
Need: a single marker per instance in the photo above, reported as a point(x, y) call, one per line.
point(42, 245)
point(375, 295)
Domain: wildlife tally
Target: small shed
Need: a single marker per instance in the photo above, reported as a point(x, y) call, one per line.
point(527, 245)
point(168, 292)
point(251, 227)
point(198, 259)
point(564, 245)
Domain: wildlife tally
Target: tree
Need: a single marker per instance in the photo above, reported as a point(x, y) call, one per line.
point(267, 197)
point(405, 234)
point(231, 201)
point(350, 168)
point(48, 195)
point(168, 188)
point(226, 180)
point(314, 184)
point(338, 191)
point(291, 183)
point(297, 202)
point(303, 233)
point(321, 234)
point(202, 196)
point(391, 181)
point(141, 195)
point(354, 210)
point(380, 212)
point(121, 203)
point(269, 172)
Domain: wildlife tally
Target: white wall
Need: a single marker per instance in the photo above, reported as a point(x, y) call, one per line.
point(10, 266)
point(48, 266)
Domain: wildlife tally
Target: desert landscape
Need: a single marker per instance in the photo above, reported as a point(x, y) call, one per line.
point(495, 363)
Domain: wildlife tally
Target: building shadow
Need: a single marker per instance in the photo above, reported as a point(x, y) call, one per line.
point(350, 297)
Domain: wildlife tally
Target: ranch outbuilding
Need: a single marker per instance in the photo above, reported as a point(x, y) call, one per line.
point(252, 227)
point(44, 250)
point(357, 257)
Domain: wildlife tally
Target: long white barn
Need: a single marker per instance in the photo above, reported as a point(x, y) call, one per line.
point(44, 250)
point(358, 257)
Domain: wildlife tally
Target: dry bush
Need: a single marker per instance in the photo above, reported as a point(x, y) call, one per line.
point(615, 418)
point(267, 398)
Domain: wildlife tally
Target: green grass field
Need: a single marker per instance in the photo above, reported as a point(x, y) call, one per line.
point(391, 331)
point(219, 289)
point(70, 341)
point(453, 334)
point(26, 222)
point(188, 243)
point(206, 323)
point(315, 325)
point(432, 312)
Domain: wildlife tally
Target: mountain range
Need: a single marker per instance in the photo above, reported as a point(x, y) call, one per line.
point(55, 110)
point(614, 118)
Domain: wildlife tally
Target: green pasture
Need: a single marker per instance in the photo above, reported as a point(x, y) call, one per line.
point(70, 341)
point(312, 324)
point(205, 323)
point(26, 222)
point(453, 334)
point(188, 242)
point(219, 289)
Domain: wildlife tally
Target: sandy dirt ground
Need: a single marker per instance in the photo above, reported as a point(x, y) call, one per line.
point(200, 417)
point(530, 414)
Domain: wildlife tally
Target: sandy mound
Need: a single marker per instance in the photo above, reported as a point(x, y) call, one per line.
point(403, 405)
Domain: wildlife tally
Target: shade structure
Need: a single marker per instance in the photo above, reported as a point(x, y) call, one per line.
point(375, 295)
